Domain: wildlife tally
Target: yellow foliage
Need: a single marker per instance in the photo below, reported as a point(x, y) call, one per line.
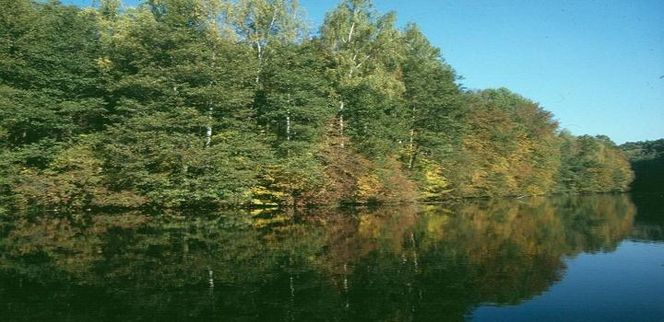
point(104, 64)
point(263, 196)
point(368, 186)
point(435, 183)
point(264, 222)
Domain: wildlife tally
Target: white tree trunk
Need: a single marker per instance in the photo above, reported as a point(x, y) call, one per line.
point(411, 140)
point(288, 119)
point(341, 121)
point(288, 128)
point(350, 33)
point(208, 133)
point(210, 278)
point(411, 149)
point(259, 49)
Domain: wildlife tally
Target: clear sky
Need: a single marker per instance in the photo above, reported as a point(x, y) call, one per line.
point(598, 65)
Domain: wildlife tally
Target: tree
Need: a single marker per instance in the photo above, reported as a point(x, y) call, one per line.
point(168, 102)
point(198, 103)
point(264, 23)
point(509, 148)
point(364, 51)
point(647, 160)
point(593, 164)
point(50, 89)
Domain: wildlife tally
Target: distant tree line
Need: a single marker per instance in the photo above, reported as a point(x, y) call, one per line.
point(192, 103)
point(647, 158)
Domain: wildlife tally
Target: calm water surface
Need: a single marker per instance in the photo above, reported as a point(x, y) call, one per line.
point(591, 258)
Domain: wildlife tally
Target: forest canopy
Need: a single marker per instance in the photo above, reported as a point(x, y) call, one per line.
point(199, 103)
point(647, 158)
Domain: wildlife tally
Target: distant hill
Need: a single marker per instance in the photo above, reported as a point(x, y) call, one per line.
point(647, 158)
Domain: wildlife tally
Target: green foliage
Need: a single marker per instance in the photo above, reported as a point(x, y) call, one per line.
point(593, 164)
point(200, 103)
point(646, 150)
point(364, 49)
point(263, 23)
point(509, 148)
point(647, 159)
point(292, 103)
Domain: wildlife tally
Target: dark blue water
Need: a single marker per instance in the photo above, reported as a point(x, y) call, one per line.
point(623, 285)
point(589, 258)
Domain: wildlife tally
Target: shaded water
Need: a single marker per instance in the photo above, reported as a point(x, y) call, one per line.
point(564, 258)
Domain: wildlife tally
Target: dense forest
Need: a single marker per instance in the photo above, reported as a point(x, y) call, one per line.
point(208, 103)
point(647, 158)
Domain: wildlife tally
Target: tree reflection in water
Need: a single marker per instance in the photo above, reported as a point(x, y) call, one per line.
point(404, 263)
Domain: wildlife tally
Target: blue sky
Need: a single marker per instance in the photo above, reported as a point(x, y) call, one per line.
point(598, 65)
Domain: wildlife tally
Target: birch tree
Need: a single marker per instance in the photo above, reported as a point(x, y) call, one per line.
point(266, 25)
point(364, 50)
point(294, 89)
point(262, 23)
point(183, 92)
point(431, 96)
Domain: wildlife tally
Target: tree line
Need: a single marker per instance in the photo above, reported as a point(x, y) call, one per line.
point(647, 159)
point(197, 103)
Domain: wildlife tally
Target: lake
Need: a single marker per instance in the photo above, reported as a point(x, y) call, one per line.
point(579, 258)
